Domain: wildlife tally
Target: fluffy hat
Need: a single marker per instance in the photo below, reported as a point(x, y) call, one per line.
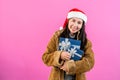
point(75, 13)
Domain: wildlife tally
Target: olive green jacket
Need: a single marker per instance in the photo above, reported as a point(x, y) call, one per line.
point(51, 57)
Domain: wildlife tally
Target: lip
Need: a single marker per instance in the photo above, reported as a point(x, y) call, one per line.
point(73, 29)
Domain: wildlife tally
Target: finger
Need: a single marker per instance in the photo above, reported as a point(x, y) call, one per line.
point(67, 58)
point(63, 68)
point(68, 55)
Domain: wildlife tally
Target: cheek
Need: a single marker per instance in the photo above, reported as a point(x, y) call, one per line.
point(69, 25)
point(79, 27)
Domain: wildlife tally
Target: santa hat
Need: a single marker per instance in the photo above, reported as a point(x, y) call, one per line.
point(75, 13)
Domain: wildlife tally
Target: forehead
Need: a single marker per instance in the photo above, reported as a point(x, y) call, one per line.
point(77, 19)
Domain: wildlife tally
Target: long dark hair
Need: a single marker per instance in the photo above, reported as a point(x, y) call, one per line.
point(82, 36)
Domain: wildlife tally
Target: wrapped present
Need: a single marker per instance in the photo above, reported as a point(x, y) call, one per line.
point(72, 46)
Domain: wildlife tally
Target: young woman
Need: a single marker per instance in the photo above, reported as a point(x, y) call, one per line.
point(63, 68)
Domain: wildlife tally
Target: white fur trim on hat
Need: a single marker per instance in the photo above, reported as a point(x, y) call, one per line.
point(78, 15)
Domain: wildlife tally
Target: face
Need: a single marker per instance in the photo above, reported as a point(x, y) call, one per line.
point(74, 25)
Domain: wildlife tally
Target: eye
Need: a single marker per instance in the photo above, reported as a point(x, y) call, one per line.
point(79, 22)
point(73, 20)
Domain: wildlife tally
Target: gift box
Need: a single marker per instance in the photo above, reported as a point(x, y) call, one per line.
point(72, 46)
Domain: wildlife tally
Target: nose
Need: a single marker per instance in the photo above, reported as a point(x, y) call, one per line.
point(75, 24)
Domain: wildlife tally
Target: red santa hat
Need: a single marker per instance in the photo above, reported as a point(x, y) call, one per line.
point(75, 13)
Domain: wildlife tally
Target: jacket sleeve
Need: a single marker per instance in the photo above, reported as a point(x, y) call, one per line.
point(85, 64)
point(51, 56)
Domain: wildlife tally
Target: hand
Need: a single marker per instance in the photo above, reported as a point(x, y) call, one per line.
point(64, 67)
point(69, 67)
point(65, 55)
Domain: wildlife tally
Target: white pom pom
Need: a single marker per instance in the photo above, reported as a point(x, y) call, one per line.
point(61, 28)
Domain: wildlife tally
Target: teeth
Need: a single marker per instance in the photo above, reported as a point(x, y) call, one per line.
point(74, 29)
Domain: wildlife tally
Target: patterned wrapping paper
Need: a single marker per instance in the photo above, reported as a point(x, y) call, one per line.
point(72, 46)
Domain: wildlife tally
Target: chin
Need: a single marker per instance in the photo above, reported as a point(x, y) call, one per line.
point(73, 32)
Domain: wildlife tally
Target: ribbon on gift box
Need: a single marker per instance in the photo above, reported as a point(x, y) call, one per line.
point(72, 46)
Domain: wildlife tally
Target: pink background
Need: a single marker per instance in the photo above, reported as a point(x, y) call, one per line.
point(27, 25)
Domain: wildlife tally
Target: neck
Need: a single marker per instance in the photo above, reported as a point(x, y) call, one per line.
point(72, 35)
